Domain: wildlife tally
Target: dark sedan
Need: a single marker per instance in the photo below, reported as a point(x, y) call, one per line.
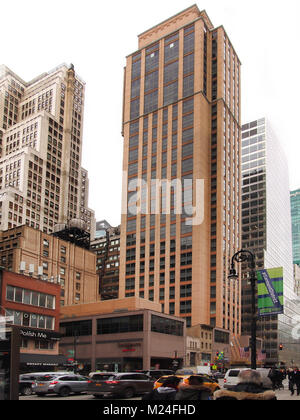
point(126, 385)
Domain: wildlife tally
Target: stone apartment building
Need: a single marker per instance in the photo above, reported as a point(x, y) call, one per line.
point(199, 345)
point(42, 182)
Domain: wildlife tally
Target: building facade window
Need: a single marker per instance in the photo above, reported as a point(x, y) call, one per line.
point(29, 297)
point(120, 324)
point(166, 326)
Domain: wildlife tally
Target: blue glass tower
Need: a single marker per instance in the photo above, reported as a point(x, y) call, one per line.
point(295, 212)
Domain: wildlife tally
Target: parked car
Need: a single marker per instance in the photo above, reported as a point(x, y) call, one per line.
point(62, 385)
point(195, 371)
point(157, 373)
point(101, 374)
point(209, 382)
point(231, 377)
point(218, 375)
point(119, 384)
point(26, 381)
point(25, 384)
point(186, 371)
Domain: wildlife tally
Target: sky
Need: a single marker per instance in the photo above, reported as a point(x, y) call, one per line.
point(96, 36)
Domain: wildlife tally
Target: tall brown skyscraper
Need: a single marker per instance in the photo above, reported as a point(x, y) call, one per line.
point(181, 189)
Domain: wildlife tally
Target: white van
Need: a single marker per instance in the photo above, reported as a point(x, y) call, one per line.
point(194, 370)
point(231, 377)
point(204, 370)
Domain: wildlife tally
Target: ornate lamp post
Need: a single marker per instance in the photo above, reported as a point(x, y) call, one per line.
point(75, 350)
point(239, 257)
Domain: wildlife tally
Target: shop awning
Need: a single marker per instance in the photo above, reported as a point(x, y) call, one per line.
point(43, 359)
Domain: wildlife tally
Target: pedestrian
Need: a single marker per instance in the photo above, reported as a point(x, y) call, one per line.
point(249, 388)
point(276, 377)
point(283, 373)
point(291, 380)
point(193, 389)
point(167, 391)
point(294, 380)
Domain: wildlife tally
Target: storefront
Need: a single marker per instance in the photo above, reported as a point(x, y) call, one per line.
point(124, 364)
point(42, 363)
point(33, 306)
point(135, 340)
point(39, 351)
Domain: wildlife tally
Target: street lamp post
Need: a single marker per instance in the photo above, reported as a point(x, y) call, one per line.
point(239, 257)
point(75, 350)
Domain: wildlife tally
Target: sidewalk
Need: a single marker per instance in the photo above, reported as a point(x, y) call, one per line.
point(285, 395)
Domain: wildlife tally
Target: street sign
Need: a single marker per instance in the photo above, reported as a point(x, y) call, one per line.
point(270, 291)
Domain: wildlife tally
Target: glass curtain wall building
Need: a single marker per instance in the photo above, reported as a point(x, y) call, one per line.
point(295, 212)
point(266, 230)
point(181, 127)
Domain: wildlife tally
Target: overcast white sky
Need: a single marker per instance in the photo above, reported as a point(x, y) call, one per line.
point(96, 36)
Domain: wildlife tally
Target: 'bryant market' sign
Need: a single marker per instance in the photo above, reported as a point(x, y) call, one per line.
point(39, 334)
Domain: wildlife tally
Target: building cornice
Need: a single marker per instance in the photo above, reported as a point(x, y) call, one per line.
point(181, 19)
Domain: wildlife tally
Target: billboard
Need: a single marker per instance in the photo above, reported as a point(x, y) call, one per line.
point(270, 291)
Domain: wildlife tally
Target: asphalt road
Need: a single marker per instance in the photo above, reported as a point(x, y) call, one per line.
point(282, 395)
point(81, 397)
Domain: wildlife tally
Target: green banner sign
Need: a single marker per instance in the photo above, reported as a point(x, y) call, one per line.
point(270, 291)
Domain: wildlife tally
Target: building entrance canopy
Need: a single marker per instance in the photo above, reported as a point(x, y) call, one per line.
point(42, 361)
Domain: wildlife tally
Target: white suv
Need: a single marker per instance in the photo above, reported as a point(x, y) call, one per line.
point(231, 377)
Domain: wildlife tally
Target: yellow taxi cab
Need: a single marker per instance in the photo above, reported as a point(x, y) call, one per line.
point(208, 382)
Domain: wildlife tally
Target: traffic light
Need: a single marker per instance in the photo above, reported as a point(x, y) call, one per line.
point(280, 346)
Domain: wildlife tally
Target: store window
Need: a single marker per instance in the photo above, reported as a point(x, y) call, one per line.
point(120, 324)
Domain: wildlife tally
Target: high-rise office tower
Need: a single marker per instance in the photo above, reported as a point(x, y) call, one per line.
point(181, 127)
point(106, 246)
point(41, 122)
point(266, 231)
point(295, 212)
